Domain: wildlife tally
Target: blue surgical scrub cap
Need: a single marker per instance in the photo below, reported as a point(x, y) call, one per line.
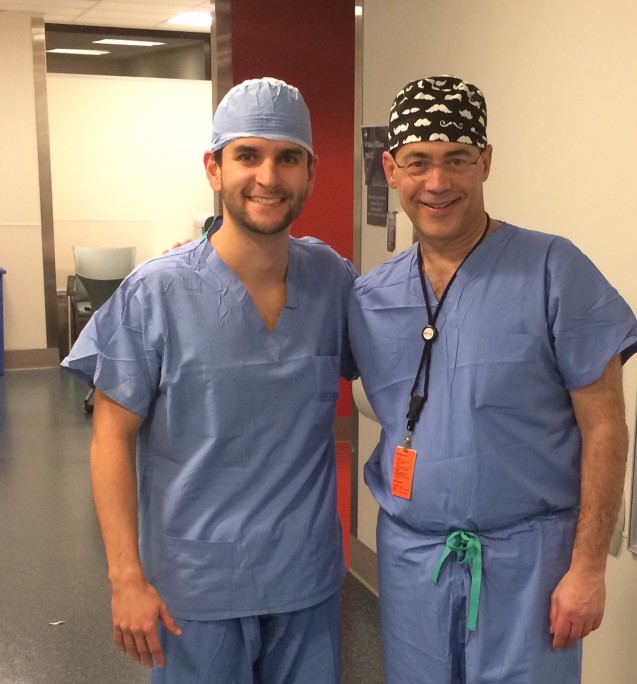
point(262, 108)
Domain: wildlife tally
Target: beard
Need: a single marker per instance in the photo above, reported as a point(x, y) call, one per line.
point(238, 211)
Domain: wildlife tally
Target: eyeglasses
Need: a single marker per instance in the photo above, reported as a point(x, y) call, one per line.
point(454, 166)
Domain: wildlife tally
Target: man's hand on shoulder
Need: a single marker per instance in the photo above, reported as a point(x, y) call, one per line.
point(177, 244)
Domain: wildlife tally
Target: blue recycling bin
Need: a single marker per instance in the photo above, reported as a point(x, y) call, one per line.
point(2, 272)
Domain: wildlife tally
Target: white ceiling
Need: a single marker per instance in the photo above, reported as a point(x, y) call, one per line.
point(140, 14)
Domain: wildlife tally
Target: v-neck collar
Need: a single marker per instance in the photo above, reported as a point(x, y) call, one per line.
point(223, 279)
point(469, 270)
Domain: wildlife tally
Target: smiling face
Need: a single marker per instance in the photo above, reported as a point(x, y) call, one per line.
point(445, 202)
point(263, 184)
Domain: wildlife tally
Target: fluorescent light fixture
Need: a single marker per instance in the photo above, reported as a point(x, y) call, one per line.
point(68, 51)
point(119, 41)
point(192, 19)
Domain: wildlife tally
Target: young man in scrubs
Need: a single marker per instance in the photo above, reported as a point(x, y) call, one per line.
point(492, 357)
point(217, 372)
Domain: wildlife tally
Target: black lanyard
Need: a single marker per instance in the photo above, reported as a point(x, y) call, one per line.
point(430, 335)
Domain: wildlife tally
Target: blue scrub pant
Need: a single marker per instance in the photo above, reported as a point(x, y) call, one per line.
point(424, 625)
point(302, 647)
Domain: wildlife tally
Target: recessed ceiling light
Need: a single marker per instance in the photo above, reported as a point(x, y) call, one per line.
point(119, 41)
point(68, 51)
point(192, 19)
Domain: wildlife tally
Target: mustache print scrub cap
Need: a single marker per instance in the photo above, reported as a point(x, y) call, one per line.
point(262, 108)
point(442, 108)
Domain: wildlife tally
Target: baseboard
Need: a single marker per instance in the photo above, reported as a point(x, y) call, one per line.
point(23, 359)
point(363, 564)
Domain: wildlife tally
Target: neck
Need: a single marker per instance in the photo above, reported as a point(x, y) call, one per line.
point(255, 259)
point(441, 258)
point(441, 250)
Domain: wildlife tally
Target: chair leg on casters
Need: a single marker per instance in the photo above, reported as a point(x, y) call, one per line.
point(88, 401)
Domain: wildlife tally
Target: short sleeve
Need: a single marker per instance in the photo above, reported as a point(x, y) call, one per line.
point(589, 320)
point(120, 349)
point(349, 371)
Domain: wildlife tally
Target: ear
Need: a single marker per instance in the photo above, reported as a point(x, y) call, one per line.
point(213, 170)
point(486, 162)
point(311, 173)
point(389, 166)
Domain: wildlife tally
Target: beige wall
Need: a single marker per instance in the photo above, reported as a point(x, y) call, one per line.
point(126, 162)
point(20, 230)
point(559, 77)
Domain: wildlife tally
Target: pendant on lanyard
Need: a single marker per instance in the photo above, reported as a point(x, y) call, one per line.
point(404, 454)
point(429, 333)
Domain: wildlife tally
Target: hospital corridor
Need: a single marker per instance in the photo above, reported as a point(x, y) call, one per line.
point(319, 245)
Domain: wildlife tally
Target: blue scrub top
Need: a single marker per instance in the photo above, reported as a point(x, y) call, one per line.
point(528, 318)
point(236, 471)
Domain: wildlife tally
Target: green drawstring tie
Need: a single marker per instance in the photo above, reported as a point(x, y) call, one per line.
point(468, 550)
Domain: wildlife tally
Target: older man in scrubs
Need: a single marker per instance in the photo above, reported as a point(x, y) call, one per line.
point(217, 368)
point(492, 357)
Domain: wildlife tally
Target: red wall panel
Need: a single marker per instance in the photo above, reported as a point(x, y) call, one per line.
point(310, 44)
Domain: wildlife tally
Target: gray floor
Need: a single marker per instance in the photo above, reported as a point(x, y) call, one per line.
point(51, 560)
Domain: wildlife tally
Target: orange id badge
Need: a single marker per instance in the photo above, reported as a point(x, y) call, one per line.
point(403, 472)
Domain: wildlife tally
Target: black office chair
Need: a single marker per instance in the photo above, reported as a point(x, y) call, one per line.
point(98, 273)
point(78, 308)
